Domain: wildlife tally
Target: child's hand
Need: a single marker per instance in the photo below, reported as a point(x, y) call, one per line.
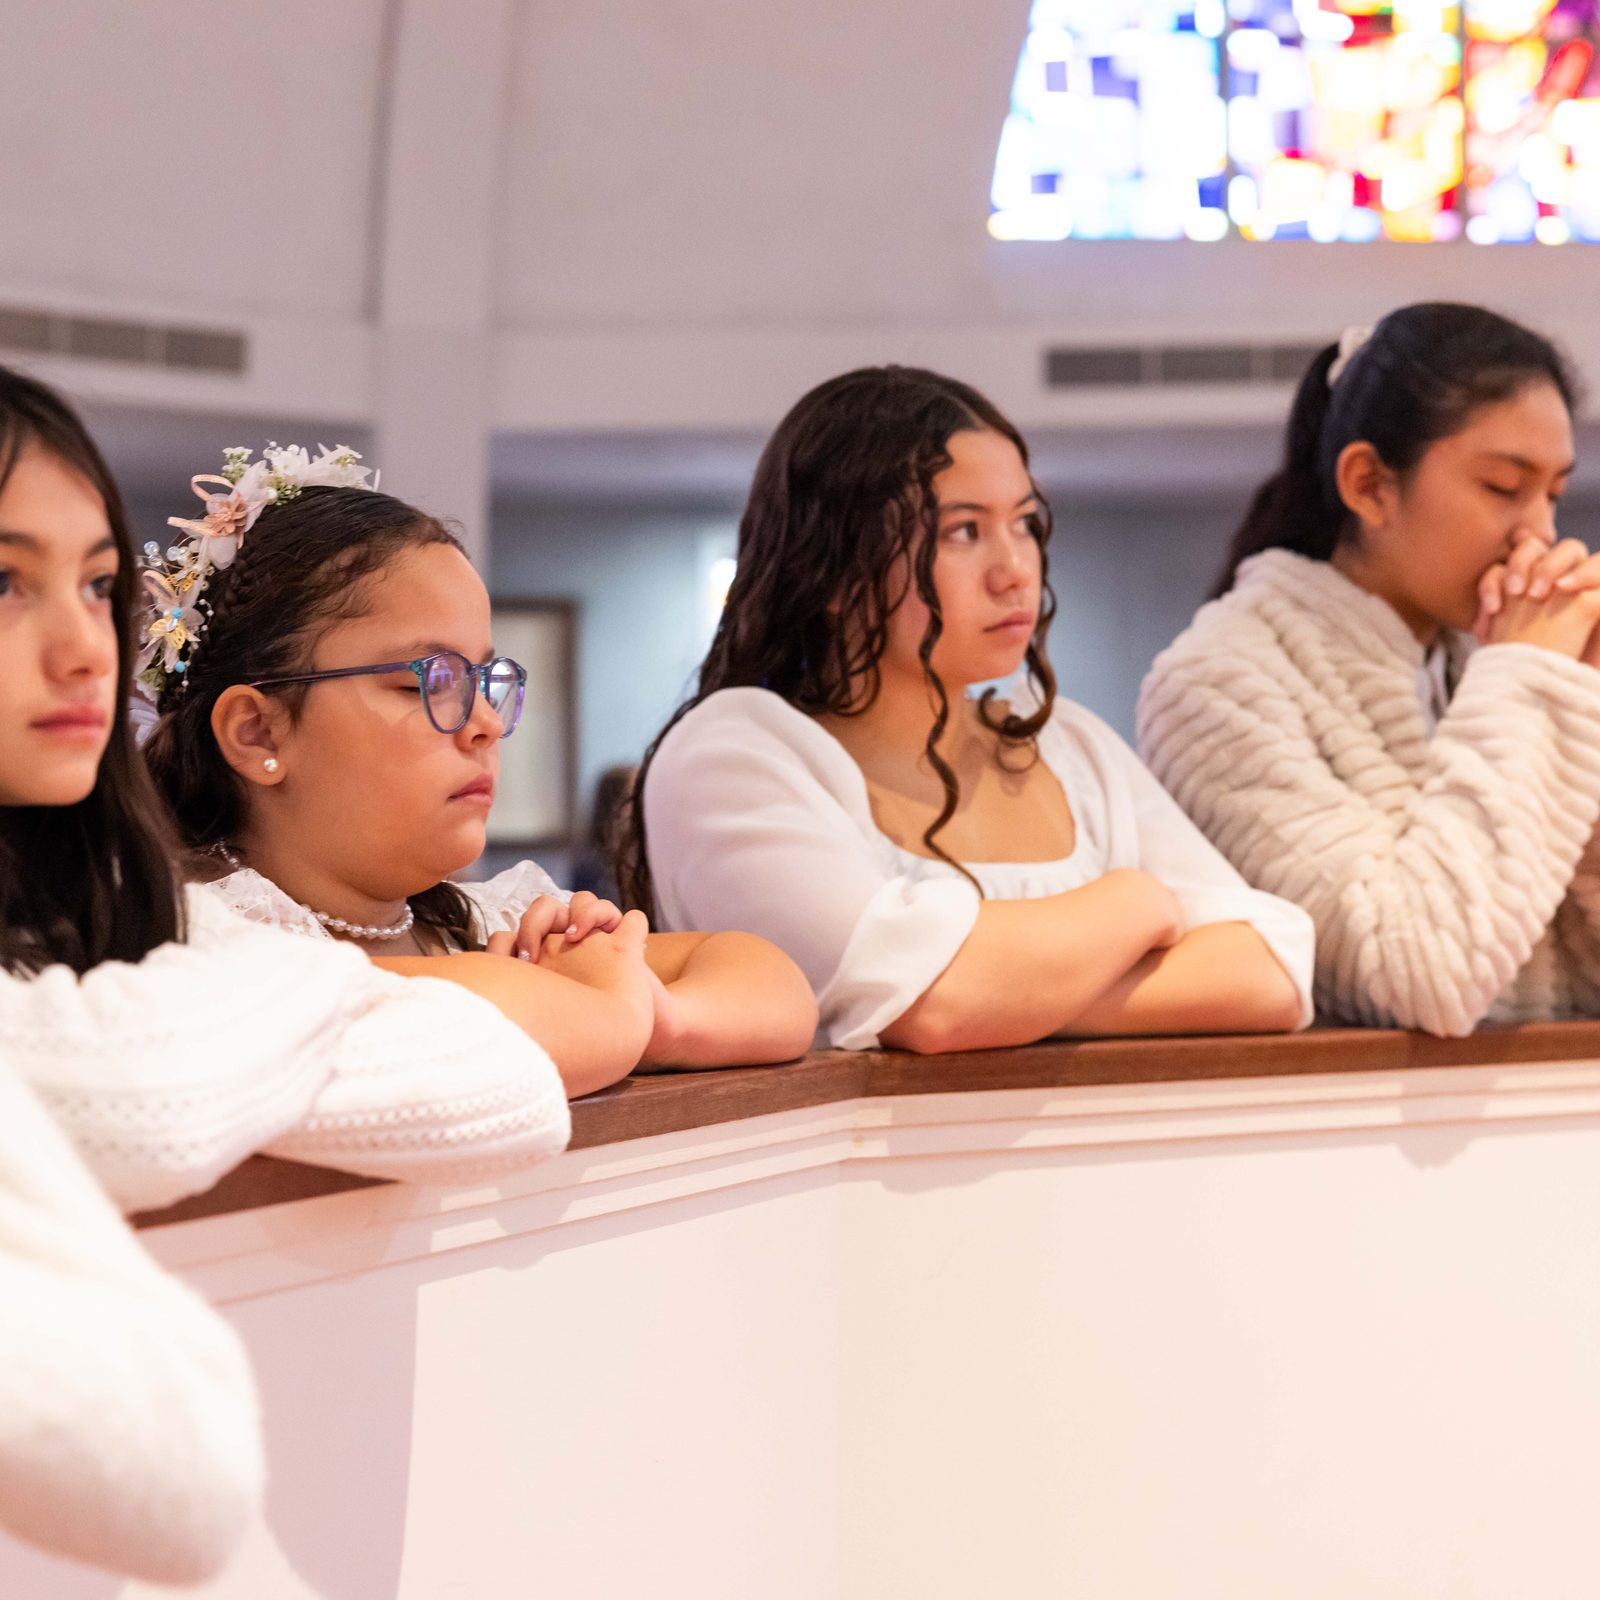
point(548, 917)
point(610, 961)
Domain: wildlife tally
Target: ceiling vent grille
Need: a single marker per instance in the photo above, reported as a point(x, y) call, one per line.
point(148, 344)
point(1174, 366)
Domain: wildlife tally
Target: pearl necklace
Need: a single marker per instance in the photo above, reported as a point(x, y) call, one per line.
point(356, 930)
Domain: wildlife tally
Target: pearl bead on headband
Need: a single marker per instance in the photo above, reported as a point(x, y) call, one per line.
point(1350, 341)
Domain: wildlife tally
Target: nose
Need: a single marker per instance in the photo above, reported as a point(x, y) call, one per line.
point(80, 643)
point(484, 725)
point(1016, 558)
point(1542, 521)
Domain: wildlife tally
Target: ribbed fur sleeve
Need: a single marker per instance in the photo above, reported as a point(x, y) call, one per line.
point(1288, 723)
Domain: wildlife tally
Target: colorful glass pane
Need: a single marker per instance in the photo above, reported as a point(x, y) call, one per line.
point(1321, 119)
point(1344, 121)
point(1533, 120)
point(1116, 128)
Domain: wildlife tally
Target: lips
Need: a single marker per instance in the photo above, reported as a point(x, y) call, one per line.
point(1016, 621)
point(481, 788)
point(72, 719)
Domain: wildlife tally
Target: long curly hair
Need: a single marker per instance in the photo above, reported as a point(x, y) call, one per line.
point(841, 510)
point(95, 881)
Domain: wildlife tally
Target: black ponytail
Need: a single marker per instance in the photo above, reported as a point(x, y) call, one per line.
point(1418, 378)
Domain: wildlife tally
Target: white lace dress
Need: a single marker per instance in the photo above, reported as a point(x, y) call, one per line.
point(129, 1434)
point(759, 819)
point(168, 1072)
point(499, 901)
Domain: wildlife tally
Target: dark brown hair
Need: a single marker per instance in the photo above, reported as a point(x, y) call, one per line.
point(94, 881)
point(1418, 379)
point(302, 568)
point(841, 494)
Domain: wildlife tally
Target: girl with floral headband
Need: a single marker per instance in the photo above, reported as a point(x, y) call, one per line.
point(331, 718)
point(168, 1039)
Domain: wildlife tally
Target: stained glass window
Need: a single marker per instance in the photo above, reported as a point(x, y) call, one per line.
point(1533, 121)
point(1311, 119)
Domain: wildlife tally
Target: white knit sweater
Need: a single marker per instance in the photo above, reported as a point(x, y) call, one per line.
point(168, 1072)
point(1451, 878)
point(129, 1435)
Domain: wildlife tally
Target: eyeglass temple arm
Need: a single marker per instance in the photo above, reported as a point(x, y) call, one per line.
point(338, 672)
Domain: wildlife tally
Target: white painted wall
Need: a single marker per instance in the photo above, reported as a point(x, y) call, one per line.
point(694, 211)
point(1232, 1340)
point(210, 159)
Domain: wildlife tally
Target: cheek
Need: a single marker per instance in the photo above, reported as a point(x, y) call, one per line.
point(358, 761)
point(908, 625)
point(1447, 538)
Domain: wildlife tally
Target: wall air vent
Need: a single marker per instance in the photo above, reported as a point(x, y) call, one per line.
point(1168, 366)
point(150, 344)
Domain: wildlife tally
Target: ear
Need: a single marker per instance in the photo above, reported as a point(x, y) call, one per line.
point(250, 730)
point(1367, 487)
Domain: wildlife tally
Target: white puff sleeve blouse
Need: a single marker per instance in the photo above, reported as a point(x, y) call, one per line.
point(169, 1071)
point(129, 1434)
point(759, 819)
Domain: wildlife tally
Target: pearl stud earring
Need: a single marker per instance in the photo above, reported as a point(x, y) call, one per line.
point(271, 763)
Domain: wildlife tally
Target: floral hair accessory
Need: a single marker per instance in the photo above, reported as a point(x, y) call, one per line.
point(175, 584)
point(1350, 341)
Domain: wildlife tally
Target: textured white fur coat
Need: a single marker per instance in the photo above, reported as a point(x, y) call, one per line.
point(1452, 877)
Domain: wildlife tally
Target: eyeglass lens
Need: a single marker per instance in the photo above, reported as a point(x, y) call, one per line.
point(450, 685)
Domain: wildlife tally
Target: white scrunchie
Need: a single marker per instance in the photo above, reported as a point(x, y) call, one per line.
point(1350, 341)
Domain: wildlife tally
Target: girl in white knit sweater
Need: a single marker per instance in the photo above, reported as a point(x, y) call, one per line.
point(1392, 714)
point(170, 1040)
point(330, 743)
point(950, 872)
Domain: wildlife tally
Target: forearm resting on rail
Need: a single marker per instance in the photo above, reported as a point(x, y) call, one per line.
point(732, 1000)
point(1030, 966)
point(1221, 978)
point(594, 1037)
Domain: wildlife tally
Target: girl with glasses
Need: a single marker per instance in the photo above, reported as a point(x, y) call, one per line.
point(330, 743)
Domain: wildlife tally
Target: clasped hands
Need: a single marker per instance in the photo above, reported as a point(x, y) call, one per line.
point(595, 943)
point(1546, 595)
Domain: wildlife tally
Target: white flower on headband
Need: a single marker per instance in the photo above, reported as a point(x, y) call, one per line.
point(233, 501)
point(338, 468)
point(1350, 341)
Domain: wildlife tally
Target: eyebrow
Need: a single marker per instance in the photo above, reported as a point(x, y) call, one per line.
point(973, 505)
point(28, 541)
point(430, 647)
point(1523, 464)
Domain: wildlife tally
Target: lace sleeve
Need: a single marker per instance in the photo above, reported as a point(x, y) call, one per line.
point(502, 899)
point(248, 894)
